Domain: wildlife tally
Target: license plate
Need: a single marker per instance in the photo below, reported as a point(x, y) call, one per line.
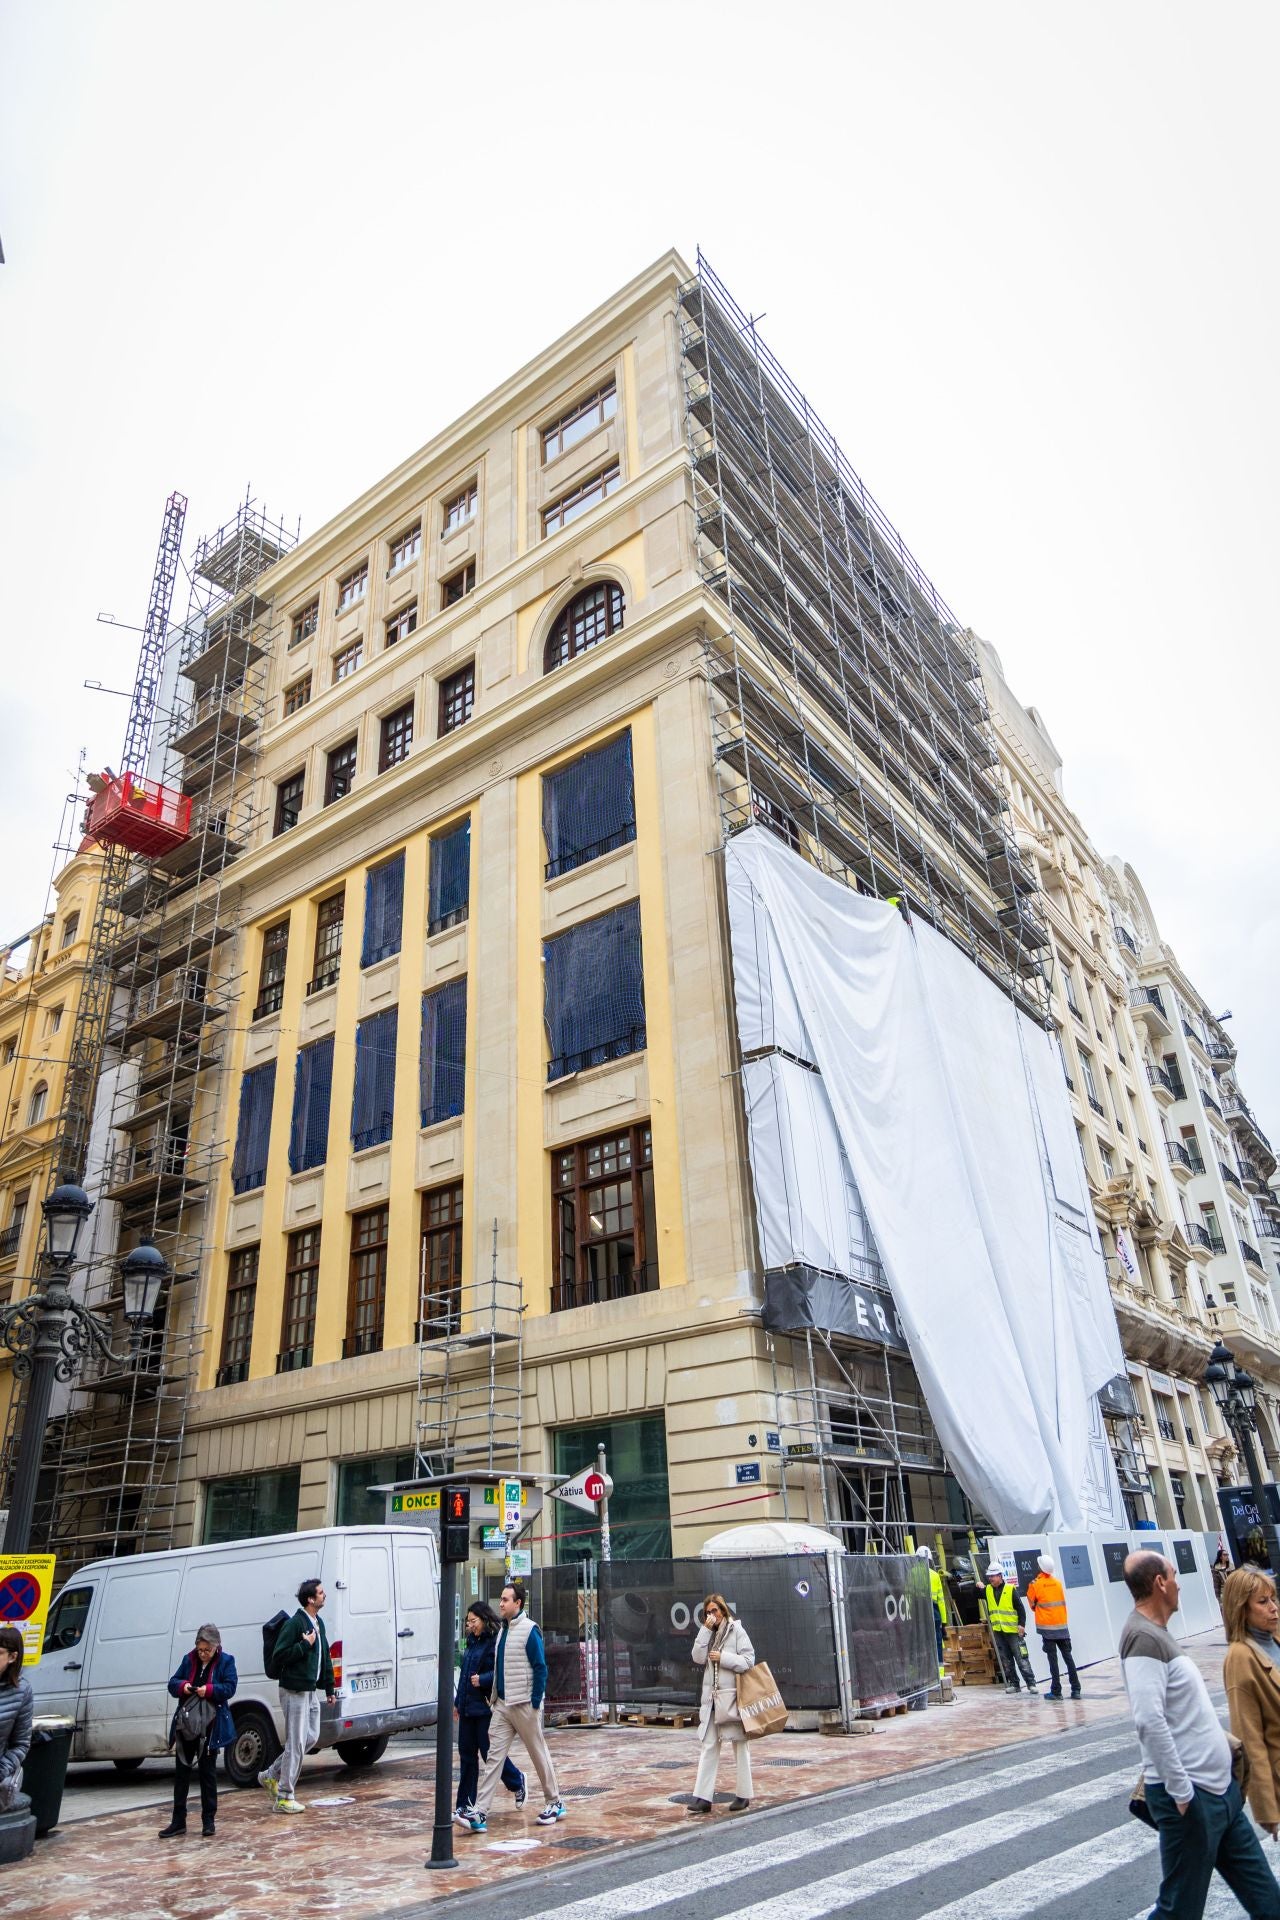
point(369, 1682)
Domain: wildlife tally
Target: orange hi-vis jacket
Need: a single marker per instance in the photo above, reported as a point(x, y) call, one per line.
point(1048, 1602)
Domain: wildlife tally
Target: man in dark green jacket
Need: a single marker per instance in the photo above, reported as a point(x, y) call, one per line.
point(304, 1670)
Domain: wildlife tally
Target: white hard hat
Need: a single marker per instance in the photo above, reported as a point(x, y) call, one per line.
point(1044, 1563)
point(923, 1553)
point(994, 1572)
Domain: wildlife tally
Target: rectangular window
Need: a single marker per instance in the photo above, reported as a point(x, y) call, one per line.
point(289, 802)
point(304, 624)
point(581, 499)
point(297, 696)
point(581, 420)
point(11, 1238)
point(357, 1507)
point(237, 1320)
point(589, 807)
point(312, 1086)
point(450, 885)
point(383, 910)
point(339, 772)
point(457, 698)
point(442, 1063)
point(373, 1102)
point(251, 1506)
point(606, 1236)
point(367, 1294)
point(1212, 1226)
point(459, 509)
point(253, 1130)
point(594, 991)
point(347, 660)
point(275, 952)
point(352, 588)
point(328, 953)
point(458, 585)
point(401, 624)
point(406, 548)
point(301, 1283)
point(641, 1499)
point(441, 1261)
point(1191, 1141)
point(1174, 1071)
point(395, 737)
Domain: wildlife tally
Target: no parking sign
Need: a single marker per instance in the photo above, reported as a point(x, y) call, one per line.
point(26, 1587)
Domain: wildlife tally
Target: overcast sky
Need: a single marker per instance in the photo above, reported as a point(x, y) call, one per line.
point(1021, 259)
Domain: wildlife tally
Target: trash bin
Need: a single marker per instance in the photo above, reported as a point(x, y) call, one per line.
point(45, 1773)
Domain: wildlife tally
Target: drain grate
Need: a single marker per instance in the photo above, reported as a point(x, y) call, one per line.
point(417, 1805)
point(789, 1763)
point(582, 1843)
point(669, 1766)
point(587, 1793)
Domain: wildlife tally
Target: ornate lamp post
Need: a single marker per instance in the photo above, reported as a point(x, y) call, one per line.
point(50, 1334)
point(1237, 1397)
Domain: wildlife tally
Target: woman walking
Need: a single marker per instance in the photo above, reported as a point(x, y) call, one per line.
point(723, 1648)
point(15, 1718)
point(1251, 1675)
point(201, 1727)
point(471, 1704)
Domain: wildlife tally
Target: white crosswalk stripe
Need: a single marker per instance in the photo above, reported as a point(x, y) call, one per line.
point(839, 1891)
point(802, 1843)
point(1070, 1871)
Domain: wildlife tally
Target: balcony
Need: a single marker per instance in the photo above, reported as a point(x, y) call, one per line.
point(1198, 1236)
point(1156, 1333)
point(1251, 1255)
point(1231, 1177)
point(1097, 1106)
point(1222, 1054)
point(1148, 1007)
point(270, 1000)
point(1213, 1106)
point(1196, 1038)
point(1248, 1133)
point(1255, 1346)
point(1179, 1159)
point(1126, 940)
point(1161, 1085)
point(12, 1236)
point(293, 1359)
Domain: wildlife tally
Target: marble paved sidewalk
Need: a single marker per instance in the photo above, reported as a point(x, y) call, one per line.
point(360, 1847)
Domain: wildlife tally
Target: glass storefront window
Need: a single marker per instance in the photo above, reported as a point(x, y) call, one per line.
point(640, 1504)
point(250, 1505)
point(357, 1507)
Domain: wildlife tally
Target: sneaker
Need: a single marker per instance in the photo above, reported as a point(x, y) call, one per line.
point(287, 1804)
point(476, 1823)
point(549, 1815)
point(462, 1816)
point(272, 1785)
point(1053, 1696)
point(522, 1791)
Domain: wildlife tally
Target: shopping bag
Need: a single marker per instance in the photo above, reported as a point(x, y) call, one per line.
point(760, 1705)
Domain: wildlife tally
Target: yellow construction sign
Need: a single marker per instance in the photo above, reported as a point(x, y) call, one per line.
point(26, 1588)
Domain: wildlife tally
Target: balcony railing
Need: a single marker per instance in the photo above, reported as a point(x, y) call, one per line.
point(1251, 1254)
point(1097, 1106)
point(1125, 939)
point(328, 978)
point(294, 1358)
point(1165, 1428)
point(1144, 999)
point(270, 1000)
point(1212, 1105)
point(561, 1064)
point(590, 1292)
point(1157, 1077)
point(368, 1340)
point(9, 1240)
point(1197, 1235)
point(1230, 1175)
point(232, 1373)
point(1178, 1155)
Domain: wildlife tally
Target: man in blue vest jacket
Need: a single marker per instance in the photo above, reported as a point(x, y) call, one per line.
point(519, 1688)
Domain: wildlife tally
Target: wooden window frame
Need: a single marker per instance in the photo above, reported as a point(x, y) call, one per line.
point(580, 499)
point(288, 813)
point(332, 772)
point(365, 1331)
point(457, 699)
point(404, 549)
point(570, 636)
point(305, 622)
point(580, 415)
point(238, 1316)
point(395, 737)
point(441, 1238)
point(271, 969)
point(400, 625)
point(348, 660)
point(353, 587)
point(573, 1177)
point(301, 1288)
point(326, 954)
point(459, 509)
point(296, 696)
point(457, 585)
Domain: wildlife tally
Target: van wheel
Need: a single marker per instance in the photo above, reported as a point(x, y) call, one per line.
point(362, 1753)
point(127, 1766)
point(254, 1747)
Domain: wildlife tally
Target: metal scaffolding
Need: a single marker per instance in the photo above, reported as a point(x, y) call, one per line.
point(470, 1372)
point(144, 1121)
point(848, 717)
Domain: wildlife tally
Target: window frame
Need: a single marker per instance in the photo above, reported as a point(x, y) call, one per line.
point(305, 623)
point(360, 1339)
point(458, 689)
point(580, 498)
point(272, 962)
point(287, 813)
point(326, 976)
point(404, 550)
point(395, 737)
point(70, 928)
point(440, 1233)
point(297, 695)
point(237, 1320)
point(466, 574)
point(394, 629)
point(572, 1179)
point(570, 636)
point(465, 500)
point(352, 747)
point(353, 586)
point(289, 1357)
point(348, 660)
point(580, 411)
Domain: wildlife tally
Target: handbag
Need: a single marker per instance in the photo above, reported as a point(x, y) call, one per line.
point(193, 1720)
point(760, 1705)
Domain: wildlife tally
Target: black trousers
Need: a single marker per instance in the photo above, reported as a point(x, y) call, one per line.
point(1052, 1649)
point(473, 1747)
point(182, 1776)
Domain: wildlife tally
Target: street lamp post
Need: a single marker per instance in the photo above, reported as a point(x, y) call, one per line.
point(1237, 1397)
point(50, 1334)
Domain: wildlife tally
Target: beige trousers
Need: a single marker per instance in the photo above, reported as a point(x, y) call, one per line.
point(510, 1723)
point(704, 1787)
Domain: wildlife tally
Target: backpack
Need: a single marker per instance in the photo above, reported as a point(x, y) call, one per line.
point(270, 1635)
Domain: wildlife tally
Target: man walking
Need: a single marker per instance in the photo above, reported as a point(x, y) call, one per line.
point(1196, 1805)
point(1048, 1602)
point(1007, 1620)
point(303, 1669)
point(519, 1688)
point(938, 1597)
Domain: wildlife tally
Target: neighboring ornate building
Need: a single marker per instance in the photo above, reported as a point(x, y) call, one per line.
point(1160, 1264)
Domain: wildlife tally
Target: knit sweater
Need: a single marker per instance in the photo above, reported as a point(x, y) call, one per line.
point(1183, 1742)
point(16, 1706)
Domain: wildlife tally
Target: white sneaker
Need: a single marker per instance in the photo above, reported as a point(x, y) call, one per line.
point(287, 1804)
point(462, 1816)
point(272, 1785)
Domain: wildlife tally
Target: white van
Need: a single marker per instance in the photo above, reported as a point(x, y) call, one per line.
point(118, 1630)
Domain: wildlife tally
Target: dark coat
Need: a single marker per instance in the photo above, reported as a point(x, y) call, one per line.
point(223, 1681)
point(477, 1658)
point(299, 1670)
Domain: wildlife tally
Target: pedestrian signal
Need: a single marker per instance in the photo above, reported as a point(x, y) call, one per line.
point(455, 1526)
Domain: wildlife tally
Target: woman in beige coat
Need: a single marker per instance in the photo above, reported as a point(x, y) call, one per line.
point(722, 1647)
point(1251, 1674)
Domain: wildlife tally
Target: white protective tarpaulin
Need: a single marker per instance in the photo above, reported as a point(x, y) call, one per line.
point(946, 1111)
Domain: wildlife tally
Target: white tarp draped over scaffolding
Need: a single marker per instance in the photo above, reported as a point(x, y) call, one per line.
point(951, 1110)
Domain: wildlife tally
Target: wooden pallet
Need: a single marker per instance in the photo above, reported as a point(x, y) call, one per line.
point(881, 1709)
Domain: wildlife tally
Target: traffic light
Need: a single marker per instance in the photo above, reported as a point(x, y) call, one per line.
point(455, 1524)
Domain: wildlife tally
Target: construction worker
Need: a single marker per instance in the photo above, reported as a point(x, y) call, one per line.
point(1048, 1602)
point(1007, 1620)
point(938, 1595)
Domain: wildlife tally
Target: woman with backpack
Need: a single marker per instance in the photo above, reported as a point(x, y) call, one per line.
point(201, 1727)
point(471, 1705)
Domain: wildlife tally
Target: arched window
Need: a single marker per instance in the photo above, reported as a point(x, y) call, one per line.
point(39, 1101)
point(70, 928)
point(588, 619)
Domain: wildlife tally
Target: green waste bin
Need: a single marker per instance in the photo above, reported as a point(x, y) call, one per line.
point(45, 1772)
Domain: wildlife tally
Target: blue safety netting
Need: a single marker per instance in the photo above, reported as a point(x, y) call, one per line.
point(383, 910)
point(442, 1067)
point(312, 1086)
point(449, 891)
point(589, 806)
point(253, 1132)
point(594, 991)
point(373, 1103)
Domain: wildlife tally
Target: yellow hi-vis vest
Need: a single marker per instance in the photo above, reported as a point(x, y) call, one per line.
point(1001, 1611)
point(938, 1594)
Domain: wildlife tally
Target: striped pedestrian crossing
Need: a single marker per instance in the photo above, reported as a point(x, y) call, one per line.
point(1047, 1835)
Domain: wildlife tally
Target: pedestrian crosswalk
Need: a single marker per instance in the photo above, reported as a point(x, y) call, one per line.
point(1049, 1834)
